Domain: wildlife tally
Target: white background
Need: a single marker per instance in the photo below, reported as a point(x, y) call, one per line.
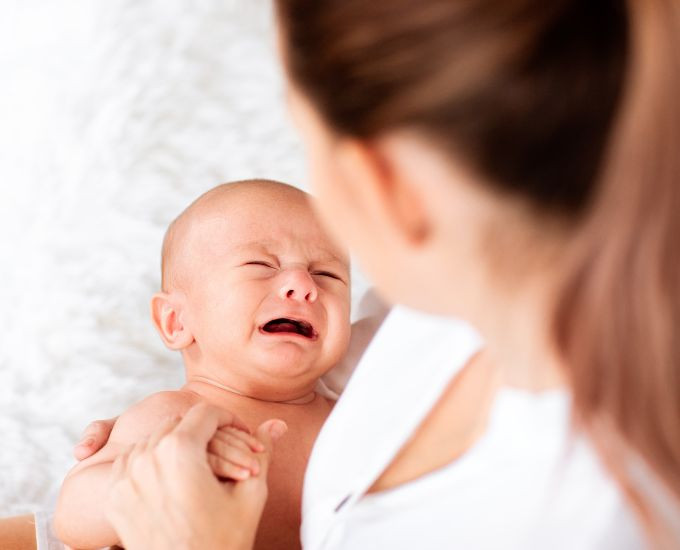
point(113, 117)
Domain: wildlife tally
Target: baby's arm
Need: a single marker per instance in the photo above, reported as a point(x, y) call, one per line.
point(79, 518)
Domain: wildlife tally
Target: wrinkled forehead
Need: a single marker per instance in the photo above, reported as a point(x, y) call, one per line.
point(291, 244)
point(268, 222)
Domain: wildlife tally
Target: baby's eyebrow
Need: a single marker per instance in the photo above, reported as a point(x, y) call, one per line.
point(329, 257)
point(267, 247)
point(260, 246)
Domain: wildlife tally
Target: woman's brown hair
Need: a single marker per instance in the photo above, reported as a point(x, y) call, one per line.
point(573, 105)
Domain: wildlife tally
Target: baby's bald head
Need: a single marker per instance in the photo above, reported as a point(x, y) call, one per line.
point(255, 293)
point(246, 201)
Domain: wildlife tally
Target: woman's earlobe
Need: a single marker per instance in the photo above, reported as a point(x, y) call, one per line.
point(166, 314)
point(409, 213)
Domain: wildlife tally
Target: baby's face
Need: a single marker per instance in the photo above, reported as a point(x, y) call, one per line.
point(268, 294)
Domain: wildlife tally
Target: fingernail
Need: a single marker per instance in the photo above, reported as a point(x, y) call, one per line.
point(86, 442)
point(255, 468)
point(277, 429)
point(243, 474)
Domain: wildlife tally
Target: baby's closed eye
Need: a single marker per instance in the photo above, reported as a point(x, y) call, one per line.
point(261, 263)
point(329, 274)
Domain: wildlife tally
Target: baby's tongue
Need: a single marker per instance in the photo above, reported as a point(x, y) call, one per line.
point(283, 326)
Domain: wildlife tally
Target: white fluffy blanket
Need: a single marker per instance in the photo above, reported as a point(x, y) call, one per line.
point(113, 117)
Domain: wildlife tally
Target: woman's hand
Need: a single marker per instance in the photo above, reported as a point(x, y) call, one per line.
point(164, 493)
point(234, 466)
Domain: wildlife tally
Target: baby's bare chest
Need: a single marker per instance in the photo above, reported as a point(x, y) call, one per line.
point(280, 524)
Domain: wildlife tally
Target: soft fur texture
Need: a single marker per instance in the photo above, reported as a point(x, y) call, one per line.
point(115, 115)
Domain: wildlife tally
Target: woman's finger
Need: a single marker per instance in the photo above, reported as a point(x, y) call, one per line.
point(165, 427)
point(94, 437)
point(124, 496)
point(254, 490)
point(250, 440)
point(140, 464)
point(268, 433)
point(119, 467)
point(122, 488)
point(201, 422)
point(231, 451)
point(137, 450)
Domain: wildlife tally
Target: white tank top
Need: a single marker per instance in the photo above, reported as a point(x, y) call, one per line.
point(527, 483)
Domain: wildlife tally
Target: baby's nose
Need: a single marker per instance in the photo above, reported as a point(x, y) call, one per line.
point(298, 285)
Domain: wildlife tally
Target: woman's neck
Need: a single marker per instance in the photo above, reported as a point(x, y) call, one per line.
point(517, 329)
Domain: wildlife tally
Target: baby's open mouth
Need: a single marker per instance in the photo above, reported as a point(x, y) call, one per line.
point(291, 326)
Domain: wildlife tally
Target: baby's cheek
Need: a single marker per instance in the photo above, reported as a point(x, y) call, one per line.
point(339, 332)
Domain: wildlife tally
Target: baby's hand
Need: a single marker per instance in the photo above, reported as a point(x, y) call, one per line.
point(231, 454)
point(94, 438)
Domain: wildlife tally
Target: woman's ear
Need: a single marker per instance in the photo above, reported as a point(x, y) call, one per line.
point(383, 189)
point(166, 314)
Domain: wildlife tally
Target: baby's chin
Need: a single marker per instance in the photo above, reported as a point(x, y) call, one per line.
point(291, 361)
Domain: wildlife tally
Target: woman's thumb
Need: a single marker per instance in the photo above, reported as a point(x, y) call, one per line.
point(252, 492)
point(270, 431)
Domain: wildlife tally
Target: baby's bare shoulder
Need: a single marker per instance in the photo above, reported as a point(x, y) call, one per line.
point(143, 418)
point(139, 422)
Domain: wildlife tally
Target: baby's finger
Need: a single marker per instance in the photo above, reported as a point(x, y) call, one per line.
point(227, 470)
point(235, 454)
point(94, 437)
point(250, 440)
point(234, 441)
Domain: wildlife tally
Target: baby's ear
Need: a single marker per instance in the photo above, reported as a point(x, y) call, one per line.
point(166, 314)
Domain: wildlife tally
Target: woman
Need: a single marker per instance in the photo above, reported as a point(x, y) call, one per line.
point(510, 163)
point(513, 164)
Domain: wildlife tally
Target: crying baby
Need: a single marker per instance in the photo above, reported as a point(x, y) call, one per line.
point(256, 298)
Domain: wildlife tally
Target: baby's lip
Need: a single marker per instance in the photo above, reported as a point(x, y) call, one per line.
point(290, 325)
